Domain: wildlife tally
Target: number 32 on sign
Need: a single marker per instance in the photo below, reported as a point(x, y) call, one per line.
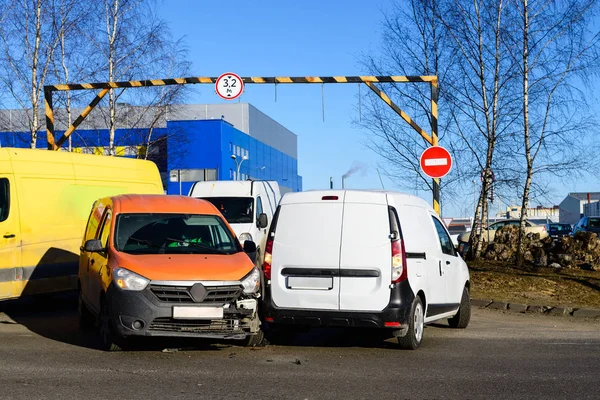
point(229, 86)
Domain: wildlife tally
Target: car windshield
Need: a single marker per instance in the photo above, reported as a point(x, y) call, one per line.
point(594, 222)
point(236, 210)
point(173, 234)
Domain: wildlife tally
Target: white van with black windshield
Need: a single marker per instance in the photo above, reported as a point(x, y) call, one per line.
point(248, 207)
point(364, 259)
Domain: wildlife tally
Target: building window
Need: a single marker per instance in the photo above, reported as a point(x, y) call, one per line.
point(230, 148)
point(230, 173)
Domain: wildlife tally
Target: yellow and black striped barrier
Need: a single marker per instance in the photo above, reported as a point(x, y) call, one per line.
point(271, 80)
point(369, 80)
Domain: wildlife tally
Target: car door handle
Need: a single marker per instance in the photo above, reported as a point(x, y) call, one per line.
point(440, 265)
point(9, 235)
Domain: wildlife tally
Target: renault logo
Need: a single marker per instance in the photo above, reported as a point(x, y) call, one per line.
point(198, 292)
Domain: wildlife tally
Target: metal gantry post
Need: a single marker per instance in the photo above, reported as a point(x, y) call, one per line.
point(49, 118)
point(434, 142)
point(368, 80)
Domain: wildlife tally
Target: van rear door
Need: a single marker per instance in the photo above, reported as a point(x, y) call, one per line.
point(366, 253)
point(306, 251)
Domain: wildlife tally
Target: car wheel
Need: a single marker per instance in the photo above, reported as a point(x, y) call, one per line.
point(255, 339)
point(108, 338)
point(87, 321)
point(414, 336)
point(462, 318)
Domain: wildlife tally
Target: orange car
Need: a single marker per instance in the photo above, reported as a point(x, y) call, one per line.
point(157, 265)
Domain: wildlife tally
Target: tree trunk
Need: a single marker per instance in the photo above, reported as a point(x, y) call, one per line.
point(34, 74)
point(526, 133)
point(112, 34)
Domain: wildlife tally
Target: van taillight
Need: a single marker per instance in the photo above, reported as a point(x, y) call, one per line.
point(399, 272)
point(268, 258)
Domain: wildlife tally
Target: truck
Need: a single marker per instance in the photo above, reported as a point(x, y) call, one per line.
point(248, 206)
point(45, 201)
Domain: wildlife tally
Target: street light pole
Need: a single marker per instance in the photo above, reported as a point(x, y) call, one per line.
point(239, 165)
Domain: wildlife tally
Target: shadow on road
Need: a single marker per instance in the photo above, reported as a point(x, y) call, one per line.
point(55, 317)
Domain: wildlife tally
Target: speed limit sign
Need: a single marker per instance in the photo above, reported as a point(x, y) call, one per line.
point(229, 86)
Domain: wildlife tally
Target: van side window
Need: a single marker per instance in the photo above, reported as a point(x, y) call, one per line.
point(447, 246)
point(105, 230)
point(259, 207)
point(4, 199)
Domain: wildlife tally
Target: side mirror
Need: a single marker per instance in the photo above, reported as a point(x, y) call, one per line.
point(262, 221)
point(250, 249)
point(93, 246)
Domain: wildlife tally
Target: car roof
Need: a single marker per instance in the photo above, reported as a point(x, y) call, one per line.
point(354, 195)
point(161, 203)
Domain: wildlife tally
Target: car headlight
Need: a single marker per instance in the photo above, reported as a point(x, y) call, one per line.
point(128, 280)
point(245, 236)
point(251, 283)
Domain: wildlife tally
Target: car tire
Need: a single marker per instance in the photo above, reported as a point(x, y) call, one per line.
point(414, 336)
point(255, 339)
point(108, 339)
point(463, 316)
point(87, 320)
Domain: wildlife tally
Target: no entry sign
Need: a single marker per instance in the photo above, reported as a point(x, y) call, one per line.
point(229, 86)
point(436, 162)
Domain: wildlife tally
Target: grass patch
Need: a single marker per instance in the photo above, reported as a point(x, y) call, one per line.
point(535, 285)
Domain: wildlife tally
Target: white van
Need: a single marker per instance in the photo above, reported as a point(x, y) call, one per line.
point(248, 207)
point(365, 259)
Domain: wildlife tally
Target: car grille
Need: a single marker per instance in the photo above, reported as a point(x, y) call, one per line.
point(181, 294)
point(195, 326)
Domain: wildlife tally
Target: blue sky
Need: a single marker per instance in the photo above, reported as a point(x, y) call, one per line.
point(267, 38)
point(274, 38)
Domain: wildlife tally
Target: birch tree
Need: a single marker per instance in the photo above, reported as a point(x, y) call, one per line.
point(411, 45)
point(461, 42)
point(135, 44)
point(28, 42)
point(482, 103)
point(71, 59)
point(556, 50)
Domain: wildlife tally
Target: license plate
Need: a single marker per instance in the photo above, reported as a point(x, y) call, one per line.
point(309, 283)
point(198, 312)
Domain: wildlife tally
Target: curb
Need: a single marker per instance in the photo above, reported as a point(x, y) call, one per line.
point(536, 308)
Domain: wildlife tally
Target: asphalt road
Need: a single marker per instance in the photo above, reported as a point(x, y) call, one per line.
point(499, 356)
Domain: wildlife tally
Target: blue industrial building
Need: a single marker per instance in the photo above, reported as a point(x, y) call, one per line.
point(190, 143)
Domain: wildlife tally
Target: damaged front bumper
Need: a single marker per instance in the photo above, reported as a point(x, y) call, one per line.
point(193, 310)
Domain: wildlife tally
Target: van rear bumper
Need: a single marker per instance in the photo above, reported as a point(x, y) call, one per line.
point(397, 311)
point(156, 318)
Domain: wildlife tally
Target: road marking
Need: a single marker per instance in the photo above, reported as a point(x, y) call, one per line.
point(436, 161)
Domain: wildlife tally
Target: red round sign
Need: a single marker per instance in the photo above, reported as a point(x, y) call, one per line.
point(436, 162)
point(229, 86)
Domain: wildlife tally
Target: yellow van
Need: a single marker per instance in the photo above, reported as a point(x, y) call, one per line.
point(45, 201)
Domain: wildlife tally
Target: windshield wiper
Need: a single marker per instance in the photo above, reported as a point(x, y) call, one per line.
point(144, 241)
point(198, 245)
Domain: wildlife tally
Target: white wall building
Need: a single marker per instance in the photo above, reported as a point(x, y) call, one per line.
point(571, 209)
point(539, 213)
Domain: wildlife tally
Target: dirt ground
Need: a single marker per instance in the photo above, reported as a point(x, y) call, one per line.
point(535, 286)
